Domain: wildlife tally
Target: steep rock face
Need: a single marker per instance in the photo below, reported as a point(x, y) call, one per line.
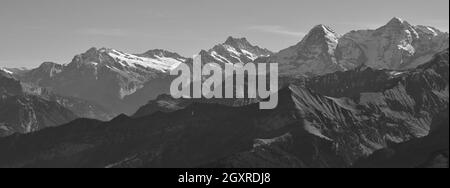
point(44, 73)
point(397, 46)
point(336, 132)
point(8, 85)
point(421, 89)
point(22, 113)
point(428, 152)
point(150, 90)
point(80, 107)
point(314, 55)
point(25, 114)
point(25, 109)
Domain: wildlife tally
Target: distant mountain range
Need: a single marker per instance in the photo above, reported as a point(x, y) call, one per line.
point(395, 46)
point(361, 99)
point(311, 127)
point(122, 82)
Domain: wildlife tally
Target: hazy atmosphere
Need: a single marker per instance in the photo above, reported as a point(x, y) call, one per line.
point(55, 30)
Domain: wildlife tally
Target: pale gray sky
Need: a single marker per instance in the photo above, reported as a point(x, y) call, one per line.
point(33, 31)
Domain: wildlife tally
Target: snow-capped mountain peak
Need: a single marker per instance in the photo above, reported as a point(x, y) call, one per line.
point(397, 21)
point(323, 28)
point(429, 30)
point(160, 63)
point(319, 34)
point(313, 55)
point(318, 38)
point(235, 50)
point(397, 45)
point(158, 60)
point(397, 25)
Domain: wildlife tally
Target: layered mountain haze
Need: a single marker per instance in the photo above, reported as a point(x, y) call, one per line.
point(27, 108)
point(367, 98)
point(311, 127)
point(122, 82)
point(80, 107)
point(23, 113)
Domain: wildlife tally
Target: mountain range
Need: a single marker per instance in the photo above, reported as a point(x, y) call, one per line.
point(396, 46)
point(122, 82)
point(361, 99)
point(311, 127)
